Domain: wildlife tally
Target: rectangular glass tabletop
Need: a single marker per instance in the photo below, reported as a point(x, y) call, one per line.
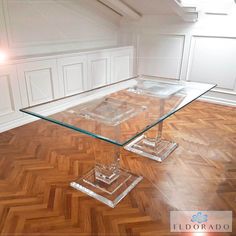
point(119, 113)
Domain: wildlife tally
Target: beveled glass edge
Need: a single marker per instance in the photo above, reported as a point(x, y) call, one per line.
point(73, 127)
point(102, 137)
point(24, 110)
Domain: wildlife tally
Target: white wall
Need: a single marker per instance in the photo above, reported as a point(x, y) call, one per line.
point(204, 51)
point(48, 26)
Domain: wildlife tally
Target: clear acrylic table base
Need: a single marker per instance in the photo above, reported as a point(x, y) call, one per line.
point(110, 194)
point(107, 182)
point(156, 148)
point(157, 151)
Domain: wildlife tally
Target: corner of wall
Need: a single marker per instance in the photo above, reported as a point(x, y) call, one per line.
point(3, 31)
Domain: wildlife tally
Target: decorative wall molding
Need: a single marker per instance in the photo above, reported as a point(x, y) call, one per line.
point(10, 101)
point(39, 82)
point(99, 71)
point(168, 56)
point(124, 60)
point(51, 77)
point(73, 72)
point(208, 62)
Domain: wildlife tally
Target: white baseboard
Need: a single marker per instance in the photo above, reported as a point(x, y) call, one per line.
point(16, 123)
point(217, 100)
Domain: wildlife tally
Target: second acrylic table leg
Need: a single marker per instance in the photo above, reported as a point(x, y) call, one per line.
point(154, 148)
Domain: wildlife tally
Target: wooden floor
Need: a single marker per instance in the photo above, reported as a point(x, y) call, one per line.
point(38, 160)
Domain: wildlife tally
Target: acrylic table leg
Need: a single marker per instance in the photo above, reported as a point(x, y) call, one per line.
point(153, 146)
point(106, 182)
point(107, 163)
point(160, 125)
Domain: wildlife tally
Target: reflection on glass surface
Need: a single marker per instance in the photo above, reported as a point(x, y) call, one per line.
point(110, 111)
point(119, 113)
point(156, 89)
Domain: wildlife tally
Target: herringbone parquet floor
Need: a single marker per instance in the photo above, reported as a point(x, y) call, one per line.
point(38, 160)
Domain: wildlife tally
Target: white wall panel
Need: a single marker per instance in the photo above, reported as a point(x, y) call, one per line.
point(10, 100)
point(31, 81)
point(99, 69)
point(213, 60)
point(73, 71)
point(39, 82)
point(39, 86)
point(73, 79)
point(122, 64)
point(6, 103)
point(160, 55)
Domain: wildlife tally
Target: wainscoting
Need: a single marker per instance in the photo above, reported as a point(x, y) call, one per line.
point(210, 60)
point(161, 55)
point(37, 80)
point(204, 51)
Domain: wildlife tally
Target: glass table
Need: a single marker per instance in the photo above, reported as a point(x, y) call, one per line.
point(121, 115)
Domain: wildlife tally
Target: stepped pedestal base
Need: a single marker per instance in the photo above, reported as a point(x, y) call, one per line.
point(110, 194)
point(155, 149)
